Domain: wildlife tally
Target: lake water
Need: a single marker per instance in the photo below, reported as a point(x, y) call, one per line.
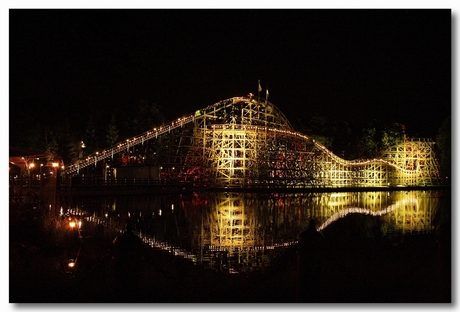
point(244, 232)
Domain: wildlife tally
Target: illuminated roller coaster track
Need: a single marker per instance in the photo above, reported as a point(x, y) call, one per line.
point(248, 143)
point(146, 136)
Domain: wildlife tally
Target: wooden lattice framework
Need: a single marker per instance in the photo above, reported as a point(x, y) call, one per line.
point(249, 143)
point(236, 155)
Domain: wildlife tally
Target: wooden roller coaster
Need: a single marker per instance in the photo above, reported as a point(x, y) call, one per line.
point(245, 142)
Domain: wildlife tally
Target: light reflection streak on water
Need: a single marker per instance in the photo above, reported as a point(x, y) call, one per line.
point(148, 240)
point(174, 250)
point(365, 211)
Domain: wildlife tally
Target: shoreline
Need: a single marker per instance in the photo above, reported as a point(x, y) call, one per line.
point(139, 190)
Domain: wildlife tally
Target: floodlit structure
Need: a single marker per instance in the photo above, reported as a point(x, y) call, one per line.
point(246, 142)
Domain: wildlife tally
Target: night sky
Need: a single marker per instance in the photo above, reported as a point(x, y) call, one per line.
point(356, 65)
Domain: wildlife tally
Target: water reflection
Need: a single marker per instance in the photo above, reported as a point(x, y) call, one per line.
point(406, 211)
point(244, 232)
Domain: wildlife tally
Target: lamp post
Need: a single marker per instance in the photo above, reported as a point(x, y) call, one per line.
point(54, 183)
point(80, 149)
point(31, 166)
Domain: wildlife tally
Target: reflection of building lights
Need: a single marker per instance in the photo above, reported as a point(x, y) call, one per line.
point(71, 263)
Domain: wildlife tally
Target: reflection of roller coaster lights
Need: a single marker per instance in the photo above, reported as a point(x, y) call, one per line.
point(347, 211)
point(73, 222)
point(180, 252)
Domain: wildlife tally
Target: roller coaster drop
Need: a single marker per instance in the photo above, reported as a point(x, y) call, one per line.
point(245, 142)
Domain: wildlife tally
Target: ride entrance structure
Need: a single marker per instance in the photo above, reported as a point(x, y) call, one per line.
point(246, 142)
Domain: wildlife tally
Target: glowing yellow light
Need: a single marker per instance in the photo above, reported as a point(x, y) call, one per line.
point(71, 263)
point(72, 224)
